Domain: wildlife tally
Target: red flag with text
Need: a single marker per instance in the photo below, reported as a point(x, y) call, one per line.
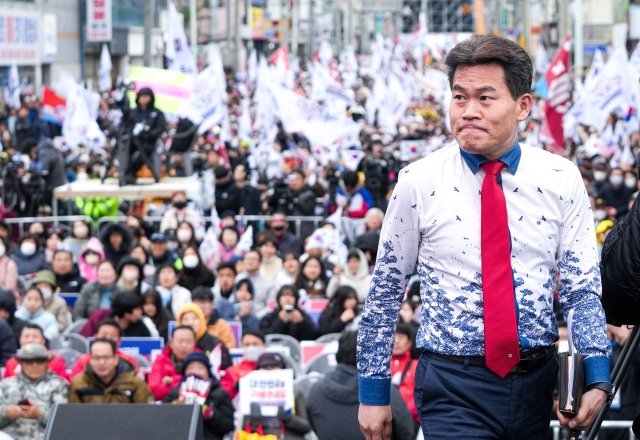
point(559, 84)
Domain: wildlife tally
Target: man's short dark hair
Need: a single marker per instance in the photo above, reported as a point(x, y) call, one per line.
point(125, 303)
point(350, 179)
point(184, 327)
point(221, 172)
point(254, 332)
point(228, 265)
point(257, 251)
point(489, 49)
point(201, 293)
point(268, 238)
point(347, 348)
point(111, 323)
point(33, 327)
point(298, 171)
point(111, 343)
point(170, 265)
point(63, 251)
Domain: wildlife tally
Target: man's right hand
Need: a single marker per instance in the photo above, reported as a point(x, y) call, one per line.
point(375, 421)
point(14, 412)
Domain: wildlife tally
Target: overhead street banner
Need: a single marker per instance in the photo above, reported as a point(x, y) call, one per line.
point(19, 37)
point(99, 20)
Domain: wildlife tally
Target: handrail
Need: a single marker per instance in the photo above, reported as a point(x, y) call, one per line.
point(21, 221)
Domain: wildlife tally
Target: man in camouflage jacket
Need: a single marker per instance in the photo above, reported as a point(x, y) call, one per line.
point(26, 400)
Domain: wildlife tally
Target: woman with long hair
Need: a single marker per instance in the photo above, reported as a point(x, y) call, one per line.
point(194, 273)
point(313, 278)
point(152, 307)
point(342, 312)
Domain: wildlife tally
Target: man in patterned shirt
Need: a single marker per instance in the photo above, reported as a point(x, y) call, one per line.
point(487, 222)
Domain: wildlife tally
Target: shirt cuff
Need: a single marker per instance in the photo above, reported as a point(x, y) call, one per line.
point(374, 391)
point(597, 369)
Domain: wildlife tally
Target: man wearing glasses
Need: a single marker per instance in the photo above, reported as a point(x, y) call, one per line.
point(26, 400)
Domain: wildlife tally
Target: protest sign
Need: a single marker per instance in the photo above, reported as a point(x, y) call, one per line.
point(269, 389)
point(194, 390)
point(171, 89)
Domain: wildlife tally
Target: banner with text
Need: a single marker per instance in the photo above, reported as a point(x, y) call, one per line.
point(99, 20)
point(269, 389)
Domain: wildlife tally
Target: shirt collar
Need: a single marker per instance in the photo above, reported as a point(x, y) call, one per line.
point(511, 159)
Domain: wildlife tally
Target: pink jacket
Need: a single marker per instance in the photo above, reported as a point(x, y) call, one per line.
point(9, 277)
point(90, 273)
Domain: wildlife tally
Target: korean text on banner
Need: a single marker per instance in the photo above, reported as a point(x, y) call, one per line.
point(171, 89)
point(99, 20)
point(269, 389)
point(20, 40)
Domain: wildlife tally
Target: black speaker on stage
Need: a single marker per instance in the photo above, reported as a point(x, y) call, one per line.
point(96, 421)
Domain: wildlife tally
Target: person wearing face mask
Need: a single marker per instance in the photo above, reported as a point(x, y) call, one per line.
point(81, 234)
point(91, 255)
point(8, 271)
point(28, 258)
point(46, 281)
point(195, 273)
point(178, 213)
point(616, 195)
point(631, 181)
point(600, 175)
point(160, 254)
point(186, 236)
point(253, 345)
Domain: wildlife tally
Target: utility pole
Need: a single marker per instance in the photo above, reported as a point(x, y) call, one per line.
point(565, 20)
point(284, 29)
point(295, 23)
point(578, 39)
point(423, 9)
point(498, 30)
point(229, 41)
point(238, 42)
point(193, 27)
point(213, 17)
point(149, 24)
point(526, 20)
point(312, 30)
point(249, 16)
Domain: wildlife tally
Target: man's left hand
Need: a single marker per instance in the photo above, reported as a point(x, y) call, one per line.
point(590, 405)
point(32, 411)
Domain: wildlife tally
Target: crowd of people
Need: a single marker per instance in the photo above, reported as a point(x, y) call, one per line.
point(202, 267)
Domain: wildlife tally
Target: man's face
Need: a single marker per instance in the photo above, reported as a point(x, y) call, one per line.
point(226, 279)
point(213, 157)
point(239, 174)
point(143, 101)
point(135, 315)
point(116, 240)
point(251, 341)
point(34, 369)
point(182, 343)
point(296, 182)
point(158, 248)
point(168, 278)
point(62, 263)
point(109, 332)
point(252, 262)
point(23, 113)
point(279, 225)
point(103, 360)
point(205, 305)
point(402, 345)
point(31, 336)
point(484, 116)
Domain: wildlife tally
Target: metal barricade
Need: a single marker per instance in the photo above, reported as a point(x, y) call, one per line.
point(123, 218)
point(609, 424)
point(55, 219)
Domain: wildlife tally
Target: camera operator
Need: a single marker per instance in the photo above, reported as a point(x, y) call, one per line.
point(147, 124)
point(46, 163)
point(294, 197)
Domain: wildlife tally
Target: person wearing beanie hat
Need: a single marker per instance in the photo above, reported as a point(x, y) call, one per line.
point(191, 315)
point(217, 408)
point(216, 326)
point(45, 280)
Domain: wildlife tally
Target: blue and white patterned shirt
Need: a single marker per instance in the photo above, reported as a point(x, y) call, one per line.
point(434, 221)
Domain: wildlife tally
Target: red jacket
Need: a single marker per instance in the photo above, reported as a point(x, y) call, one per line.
point(233, 375)
point(398, 365)
point(56, 365)
point(163, 366)
point(83, 361)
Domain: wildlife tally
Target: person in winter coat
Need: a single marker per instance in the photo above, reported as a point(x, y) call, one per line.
point(241, 305)
point(295, 424)
point(116, 239)
point(32, 334)
point(227, 192)
point(217, 409)
point(8, 345)
point(67, 274)
point(253, 345)
point(108, 378)
point(80, 235)
point(35, 383)
point(178, 213)
point(53, 168)
point(147, 124)
point(45, 281)
point(32, 311)
point(160, 316)
point(354, 274)
point(29, 258)
point(195, 273)
point(342, 312)
point(167, 368)
point(403, 369)
point(333, 402)
point(173, 296)
point(295, 198)
point(290, 270)
point(271, 263)
point(191, 315)
point(229, 238)
point(90, 257)
point(130, 276)
point(288, 319)
point(7, 312)
point(313, 278)
point(8, 271)
point(98, 294)
point(249, 195)
point(287, 241)
point(216, 326)
point(352, 197)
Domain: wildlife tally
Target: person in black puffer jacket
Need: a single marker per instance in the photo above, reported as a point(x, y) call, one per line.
point(294, 322)
point(7, 312)
point(217, 408)
point(116, 239)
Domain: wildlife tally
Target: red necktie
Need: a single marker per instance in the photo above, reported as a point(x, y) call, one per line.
point(500, 326)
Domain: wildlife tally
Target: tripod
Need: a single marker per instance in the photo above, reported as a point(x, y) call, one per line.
point(124, 140)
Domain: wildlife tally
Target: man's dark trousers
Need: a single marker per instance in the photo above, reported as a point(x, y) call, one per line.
point(455, 401)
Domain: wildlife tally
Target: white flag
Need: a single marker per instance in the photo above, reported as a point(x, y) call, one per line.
point(104, 71)
point(542, 60)
point(252, 66)
point(245, 243)
point(351, 158)
point(12, 90)
point(245, 132)
point(177, 52)
point(206, 106)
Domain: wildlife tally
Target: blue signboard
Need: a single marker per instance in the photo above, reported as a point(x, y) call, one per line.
point(70, 298)
point(141, 346)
